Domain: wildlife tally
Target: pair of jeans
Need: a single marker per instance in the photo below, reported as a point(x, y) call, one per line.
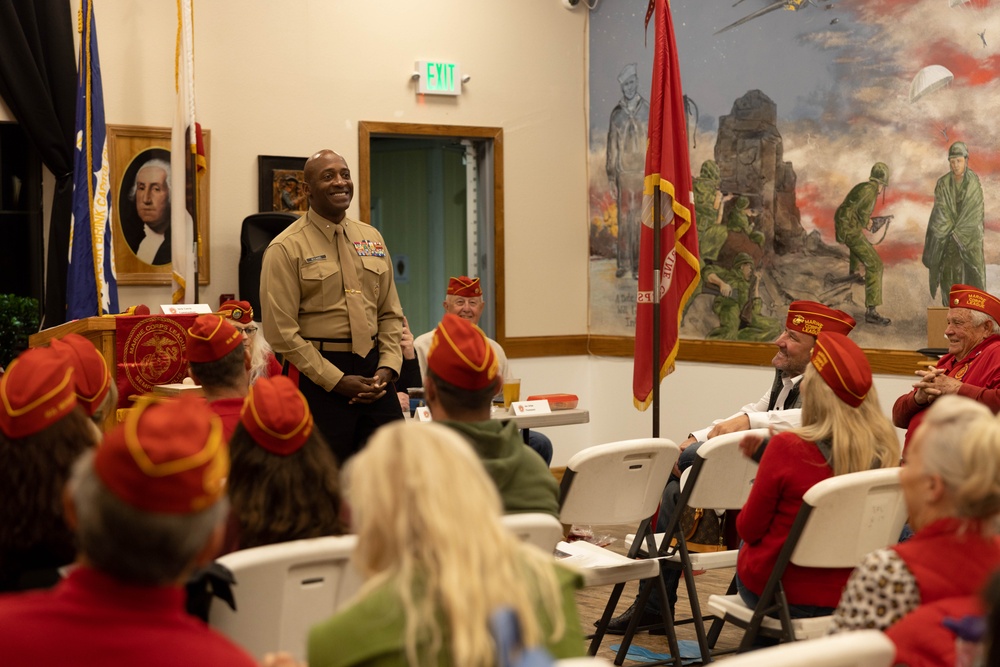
point(751, 599)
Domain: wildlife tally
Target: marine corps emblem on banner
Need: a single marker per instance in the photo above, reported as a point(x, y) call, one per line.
point(152, 353)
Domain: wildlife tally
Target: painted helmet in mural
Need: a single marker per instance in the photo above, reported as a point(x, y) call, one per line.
point(743, 258)
point(742, 203)
point(958, 149)
point(709, 169)
point(880, 173)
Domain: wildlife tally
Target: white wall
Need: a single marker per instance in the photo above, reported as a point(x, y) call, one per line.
point(292, 77)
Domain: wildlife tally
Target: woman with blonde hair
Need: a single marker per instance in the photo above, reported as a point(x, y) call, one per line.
point(843, 431)
point(951, 481)
point(438, 562)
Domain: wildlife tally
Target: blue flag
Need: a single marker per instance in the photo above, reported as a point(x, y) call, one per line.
point(91, 286)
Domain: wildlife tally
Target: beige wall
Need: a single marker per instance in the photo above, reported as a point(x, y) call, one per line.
point(290, 77)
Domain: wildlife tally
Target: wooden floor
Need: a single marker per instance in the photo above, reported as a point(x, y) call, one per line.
point(591, 602)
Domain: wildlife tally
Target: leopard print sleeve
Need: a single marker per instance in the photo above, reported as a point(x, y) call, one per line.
point(880, 592)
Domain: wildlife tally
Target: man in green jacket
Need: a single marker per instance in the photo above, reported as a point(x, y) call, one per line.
point(462, 378)
point(852, 217)
point(953, 247)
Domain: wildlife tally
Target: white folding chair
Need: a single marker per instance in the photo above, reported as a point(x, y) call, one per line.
point(282, 590)
point(719, 479)
point(864, 648)
point(542, 530)
point(615, 483)
point(842, 518)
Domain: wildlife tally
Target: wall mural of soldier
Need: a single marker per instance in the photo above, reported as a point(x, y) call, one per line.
point(794, 108)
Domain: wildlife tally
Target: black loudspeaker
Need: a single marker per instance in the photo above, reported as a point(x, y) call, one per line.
point(259, 229)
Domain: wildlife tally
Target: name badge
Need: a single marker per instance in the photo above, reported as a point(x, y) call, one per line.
point(185, 309)
point(424, 414)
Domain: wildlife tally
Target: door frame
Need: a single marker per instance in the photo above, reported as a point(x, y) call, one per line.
point(369, 129)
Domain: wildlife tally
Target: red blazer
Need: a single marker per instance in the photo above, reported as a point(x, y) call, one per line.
point(789, 467)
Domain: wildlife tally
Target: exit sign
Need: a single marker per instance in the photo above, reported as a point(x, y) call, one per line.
point(438, 78)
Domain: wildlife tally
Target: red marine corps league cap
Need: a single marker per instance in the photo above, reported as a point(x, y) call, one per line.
point(811, 318)
point(168, 457)
point(241, 311)
point(36, 391)
point(464, 286)
point(210, 338)
point(460, 354)
point(277, 416)
point(966, 296)
point(91, 376)
point(843, 366)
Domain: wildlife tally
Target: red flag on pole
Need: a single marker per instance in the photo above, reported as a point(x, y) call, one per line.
point(668, 175)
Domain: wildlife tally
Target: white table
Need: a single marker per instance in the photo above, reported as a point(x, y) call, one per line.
point(554, 418)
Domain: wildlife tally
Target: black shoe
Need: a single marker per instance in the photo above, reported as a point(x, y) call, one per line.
point(619, 624)
point(619, 273)
point(872, 317)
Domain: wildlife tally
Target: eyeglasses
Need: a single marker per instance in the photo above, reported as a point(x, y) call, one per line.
point(249, 331)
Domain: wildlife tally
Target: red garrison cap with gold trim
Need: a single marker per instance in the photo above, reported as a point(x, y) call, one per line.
point(811, 318)
point(241, 311)
point(460, 354)
point(843, 366)
point(169, 456)
point(36, 391)
point(967, 296)
point(90, 372)
point(276, 415)
point(210, 338)
point(464, 286)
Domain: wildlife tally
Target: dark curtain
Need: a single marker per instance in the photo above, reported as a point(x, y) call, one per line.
point(38, 83)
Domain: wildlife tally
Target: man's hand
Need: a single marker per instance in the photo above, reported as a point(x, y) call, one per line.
point(933, 383)
point(684, 445)
point(406, 342)
point(740, 422)
point(404, 401)
point(361, 389)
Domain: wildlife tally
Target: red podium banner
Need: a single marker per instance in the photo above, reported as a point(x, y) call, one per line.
point(150, 351)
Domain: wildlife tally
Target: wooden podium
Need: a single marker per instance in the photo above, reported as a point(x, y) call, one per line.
point(98, 330)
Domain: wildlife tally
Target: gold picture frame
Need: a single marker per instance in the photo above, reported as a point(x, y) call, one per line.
point(131, 147)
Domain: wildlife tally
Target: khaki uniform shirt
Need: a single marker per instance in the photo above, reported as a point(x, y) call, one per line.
point(302, 294)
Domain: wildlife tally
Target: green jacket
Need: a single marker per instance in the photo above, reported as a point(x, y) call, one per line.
point(369, 632)
point(855, 213)
point(525, 483)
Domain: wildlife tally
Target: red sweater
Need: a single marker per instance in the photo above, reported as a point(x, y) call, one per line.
point(789, 467)
point(979, 372)
point(228, 410)
point(91, 618)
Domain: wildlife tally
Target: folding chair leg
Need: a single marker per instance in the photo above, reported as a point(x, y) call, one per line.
point(699, 622)
point(784, 614)
point(602, 626)
point(718, 623)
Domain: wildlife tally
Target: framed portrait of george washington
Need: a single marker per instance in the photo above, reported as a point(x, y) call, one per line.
point(140, 203)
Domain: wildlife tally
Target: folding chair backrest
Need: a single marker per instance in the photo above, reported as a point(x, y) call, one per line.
point(542, 530)
point(725, 476)
point(282, 590)
point(864, 648)
point(851, 516)
point(617, 482)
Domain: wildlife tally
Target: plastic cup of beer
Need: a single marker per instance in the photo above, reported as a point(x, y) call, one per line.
point(511, 392)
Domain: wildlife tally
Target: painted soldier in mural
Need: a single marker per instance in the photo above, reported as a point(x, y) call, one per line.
point(738, 303)
point(853, 216)
point(953, 247)
point(626, 167)
point(739, 221)
point(708, 201)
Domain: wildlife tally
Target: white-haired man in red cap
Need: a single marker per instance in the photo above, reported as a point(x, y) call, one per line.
point(972, 366)
point(779, 408)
